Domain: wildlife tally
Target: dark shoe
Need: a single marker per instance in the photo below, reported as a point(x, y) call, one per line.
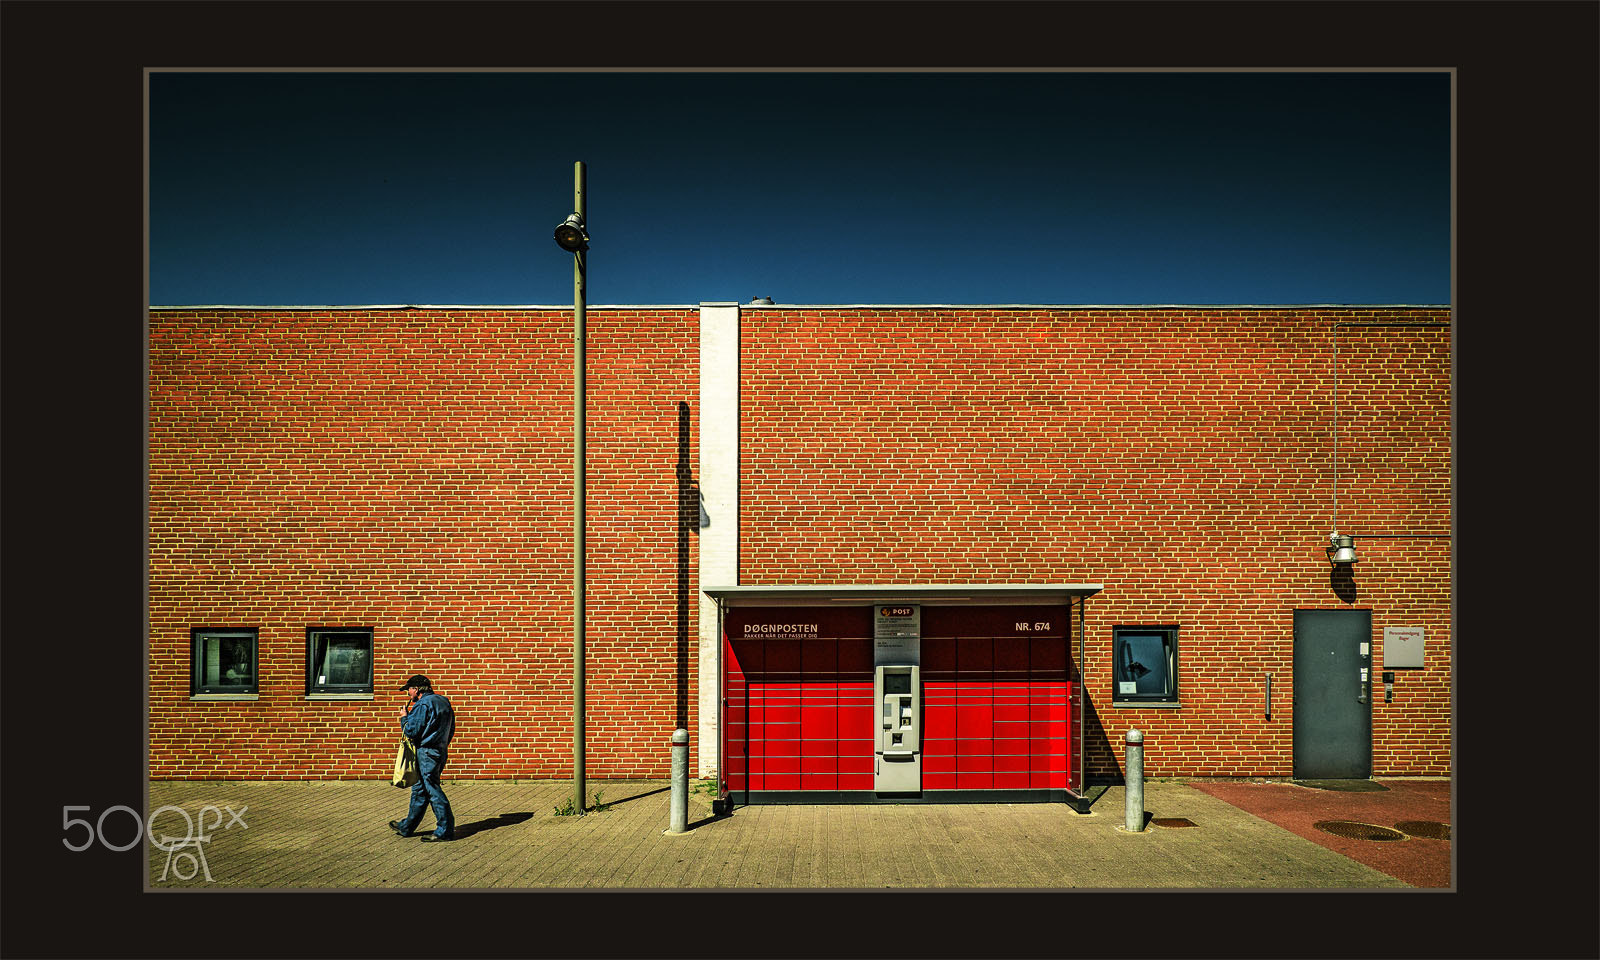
point(435, 838)
point(398, 828)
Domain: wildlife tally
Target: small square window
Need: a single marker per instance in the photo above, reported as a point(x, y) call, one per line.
point(339, 660)
point(222, 661)
point(1144, 665)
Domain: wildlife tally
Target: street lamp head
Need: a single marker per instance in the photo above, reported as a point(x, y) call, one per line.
point(570, 235)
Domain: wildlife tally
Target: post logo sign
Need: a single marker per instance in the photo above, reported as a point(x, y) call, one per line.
point(896, 634)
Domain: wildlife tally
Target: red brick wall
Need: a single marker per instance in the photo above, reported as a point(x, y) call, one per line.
point(409, 470)
point(1181, 457)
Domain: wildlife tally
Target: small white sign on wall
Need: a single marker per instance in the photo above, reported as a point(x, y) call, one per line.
point(1402, 646)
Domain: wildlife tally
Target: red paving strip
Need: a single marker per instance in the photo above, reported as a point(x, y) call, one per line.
point(1419, 862)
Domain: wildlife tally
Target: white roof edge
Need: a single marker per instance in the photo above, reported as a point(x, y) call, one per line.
point(1089, 306)
point(804, 306)
point(858, 593)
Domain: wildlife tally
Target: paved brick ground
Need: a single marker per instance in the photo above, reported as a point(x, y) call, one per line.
point(336, 834)
point(1419, 861)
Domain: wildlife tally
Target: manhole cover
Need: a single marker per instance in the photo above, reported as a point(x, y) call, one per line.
point(1172, 821)
point(1426, 829)
point(1358, 831)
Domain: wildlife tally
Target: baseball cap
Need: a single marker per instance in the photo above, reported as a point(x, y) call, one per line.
point(417, 680)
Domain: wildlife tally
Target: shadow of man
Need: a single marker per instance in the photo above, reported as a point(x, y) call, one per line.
point(493, 823)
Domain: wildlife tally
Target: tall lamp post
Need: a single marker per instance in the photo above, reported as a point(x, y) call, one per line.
point(573, 237)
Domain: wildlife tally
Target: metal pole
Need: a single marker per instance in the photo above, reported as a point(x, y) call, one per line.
point(1336, 428)
point(1133, 812)
point(679, 819)
point(579, 361)
point(724, 801)
point(1083, 762)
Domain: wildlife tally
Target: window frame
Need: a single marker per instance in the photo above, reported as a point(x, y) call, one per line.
point(200, 690)
point(321, 689)
point(1169, 633)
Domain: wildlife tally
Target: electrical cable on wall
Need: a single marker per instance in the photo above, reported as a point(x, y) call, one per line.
point(1341, 548)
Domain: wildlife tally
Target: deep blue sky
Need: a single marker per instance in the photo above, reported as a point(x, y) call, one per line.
point(354, 188)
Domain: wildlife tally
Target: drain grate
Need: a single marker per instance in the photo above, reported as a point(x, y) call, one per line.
point(1426, 829)
point(1172, 821)
point(1358, 831)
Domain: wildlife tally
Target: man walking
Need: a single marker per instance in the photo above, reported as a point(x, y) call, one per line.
point(430, 723)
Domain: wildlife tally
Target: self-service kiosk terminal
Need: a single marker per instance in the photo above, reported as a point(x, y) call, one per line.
point(897, 765)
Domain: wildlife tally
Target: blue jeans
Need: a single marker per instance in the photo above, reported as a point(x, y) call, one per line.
point(426, 791)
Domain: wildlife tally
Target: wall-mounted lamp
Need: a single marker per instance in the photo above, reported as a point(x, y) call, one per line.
point(1341, 548)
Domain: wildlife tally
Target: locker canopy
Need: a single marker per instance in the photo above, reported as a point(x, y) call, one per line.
point(955, 594)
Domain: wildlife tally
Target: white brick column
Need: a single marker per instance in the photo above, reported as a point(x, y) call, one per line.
point(718, 476)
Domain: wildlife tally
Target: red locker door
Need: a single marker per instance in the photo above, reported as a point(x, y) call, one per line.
point(819, 714)
point(1012, 748)
point(938, 713)
point(855, 721)
point(744, 659)
point(1048, 699)
point(975, 713)
point(781, 714)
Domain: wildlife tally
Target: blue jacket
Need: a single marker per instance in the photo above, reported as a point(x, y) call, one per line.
point(431, 722)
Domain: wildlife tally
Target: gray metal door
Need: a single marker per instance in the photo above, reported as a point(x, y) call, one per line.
point(1332, 694)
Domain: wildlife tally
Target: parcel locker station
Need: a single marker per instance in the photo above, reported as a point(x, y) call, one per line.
point(901, 693)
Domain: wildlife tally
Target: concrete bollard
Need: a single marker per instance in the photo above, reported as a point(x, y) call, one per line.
point(1134, 792)
point(680, 782)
